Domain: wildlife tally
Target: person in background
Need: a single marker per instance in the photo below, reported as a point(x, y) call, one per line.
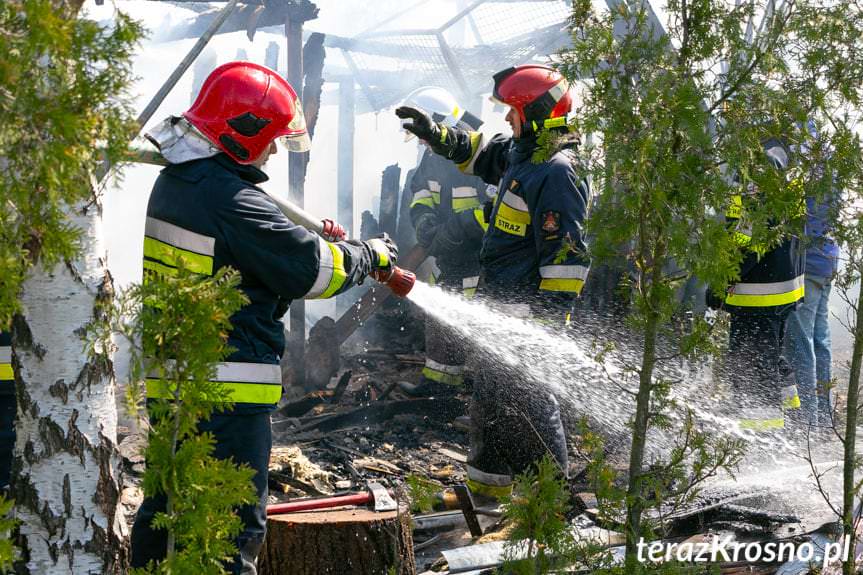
point(446, 211)
point(807, 336)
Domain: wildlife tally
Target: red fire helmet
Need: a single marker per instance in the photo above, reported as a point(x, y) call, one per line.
point(243, 107)
point(539, 94)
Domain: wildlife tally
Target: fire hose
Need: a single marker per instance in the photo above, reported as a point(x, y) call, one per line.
point(399, 280)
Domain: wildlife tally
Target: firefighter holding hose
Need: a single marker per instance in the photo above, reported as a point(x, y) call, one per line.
point(533, 260)
point(207, 208)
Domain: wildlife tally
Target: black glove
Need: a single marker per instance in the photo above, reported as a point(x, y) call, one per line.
point(448, 239)
point(439, 138)
point(426, 229)
point(487, 208)
point(382, 251)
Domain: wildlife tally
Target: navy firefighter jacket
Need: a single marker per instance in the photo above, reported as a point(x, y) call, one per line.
point(211, 213)
point(533, 250)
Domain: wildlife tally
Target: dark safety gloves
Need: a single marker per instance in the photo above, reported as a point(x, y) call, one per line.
point(383, 252)
point(439, 138)
point(426, 228)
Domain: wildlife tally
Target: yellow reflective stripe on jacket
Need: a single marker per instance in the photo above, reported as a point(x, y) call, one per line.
point(238, 392)
point(331, 271)
point(464, 198)
point(166, 243)
point(245, 382)
point(475, 145)
point(6, 373)
point(479, 216)
point(563, 278)
point(512, 215)
point(735, 210)
point(562, 285)
point(159, 269)
point(766, 294)
point(426, 198)
point(170, 255)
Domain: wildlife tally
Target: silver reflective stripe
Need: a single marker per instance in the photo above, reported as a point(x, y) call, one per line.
point(514, 201)
point(564, 272)
point(769, 288)
point(239, 372)
point(249, 372)
point(558, 90)
point(468, 168)
point(420, 194)
point(520, 310)
point(464, 192)
point(325, 270)
point(470, 282)
point(489, 478)
point(179, 237)
point(5, 354)
point(789, 392)
point(434, 185)
point(443, 368)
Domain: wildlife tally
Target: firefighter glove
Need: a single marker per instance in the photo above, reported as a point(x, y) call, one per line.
point(382, 251)
point(426, 229)
point(447, 240)
point(439, 138)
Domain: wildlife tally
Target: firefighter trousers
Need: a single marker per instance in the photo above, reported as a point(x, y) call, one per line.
point(514, 424)
point(7, 434)
point(445, 348)
point(758, 372)
point(246, 438)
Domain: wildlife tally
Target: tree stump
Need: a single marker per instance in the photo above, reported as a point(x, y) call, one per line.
point(339, 542)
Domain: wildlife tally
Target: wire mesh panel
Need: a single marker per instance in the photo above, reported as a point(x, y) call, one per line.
point(502, 33)
point(391, 66)
point(496, 21)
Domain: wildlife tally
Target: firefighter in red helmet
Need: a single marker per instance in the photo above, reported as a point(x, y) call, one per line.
point(533, 260)
point(207, 211)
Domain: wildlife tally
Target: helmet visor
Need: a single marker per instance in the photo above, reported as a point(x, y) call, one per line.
point(296, 136)
point(297, 142)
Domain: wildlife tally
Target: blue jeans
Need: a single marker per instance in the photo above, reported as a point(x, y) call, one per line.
point(807, 348)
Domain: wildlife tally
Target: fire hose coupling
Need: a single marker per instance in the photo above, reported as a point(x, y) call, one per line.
point(400, 281)
point(332, 231)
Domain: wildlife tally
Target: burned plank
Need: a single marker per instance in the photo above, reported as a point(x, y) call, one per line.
point(437, 409)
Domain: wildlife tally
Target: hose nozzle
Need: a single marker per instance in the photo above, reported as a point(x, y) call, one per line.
point(399, 280)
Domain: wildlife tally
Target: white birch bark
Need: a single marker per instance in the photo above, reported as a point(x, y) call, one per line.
point(65, 476)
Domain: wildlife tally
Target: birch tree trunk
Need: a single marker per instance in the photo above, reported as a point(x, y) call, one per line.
point(65, 476)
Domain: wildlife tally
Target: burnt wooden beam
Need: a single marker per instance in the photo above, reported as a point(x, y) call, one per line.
point(389, 208)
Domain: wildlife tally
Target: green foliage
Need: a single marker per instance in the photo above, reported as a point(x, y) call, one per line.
point(680, 120)
point(8, 552)
point(65, 109)
point(541, 539)
point(423, 493)
point(181, 324)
